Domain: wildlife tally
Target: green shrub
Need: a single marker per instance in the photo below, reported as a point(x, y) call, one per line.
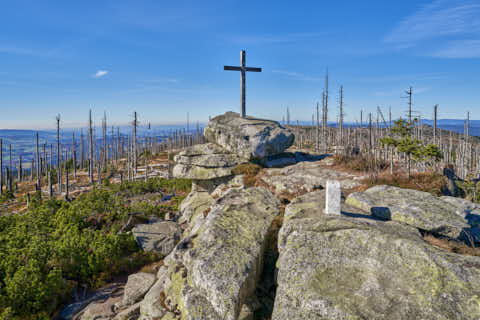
point(6, 196)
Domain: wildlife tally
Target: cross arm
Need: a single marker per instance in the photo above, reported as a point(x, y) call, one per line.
point(232, 68)
point(253, 69)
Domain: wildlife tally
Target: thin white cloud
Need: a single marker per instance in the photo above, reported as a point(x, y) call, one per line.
point(274, 39)
point(100, 73)
point(460, 49)
point(402, 78)
point(438, 19)
point(162, 80)
point(24, 51)
point(397, 92)
point(297, 75)
point(453, 25)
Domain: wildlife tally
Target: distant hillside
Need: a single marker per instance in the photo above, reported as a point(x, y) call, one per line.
point(23, 141)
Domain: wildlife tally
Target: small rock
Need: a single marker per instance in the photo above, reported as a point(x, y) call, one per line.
point(130, 313)
point(137, 285)
point(157, 236)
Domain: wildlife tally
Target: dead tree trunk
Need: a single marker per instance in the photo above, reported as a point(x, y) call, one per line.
point(1, 166)
point(50, 184)
point(38, 186)
point(59, 178)
point(90, 136)
point(74, 156)
point(82, 151)
point(135, 123)
point(67, 186)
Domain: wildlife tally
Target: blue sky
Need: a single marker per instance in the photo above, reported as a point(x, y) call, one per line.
point(165, 58)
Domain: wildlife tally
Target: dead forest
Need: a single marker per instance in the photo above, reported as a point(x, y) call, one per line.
point(378, 142)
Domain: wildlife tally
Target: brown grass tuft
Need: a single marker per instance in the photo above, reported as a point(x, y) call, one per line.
point(428, 182)
point(152, 267)
point(206, 212)
point(360, 163)
point(250, 171)
point(451, 245)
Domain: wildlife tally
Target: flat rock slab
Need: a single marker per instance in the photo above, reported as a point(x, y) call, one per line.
point(249, 137)
point(205, 162)
point(416, 208)
point(306, 177)
point(99, 303)
point(337, 267)
point(137, 285)
point(213, 271)
point(103, 306)
point(466, 209)
point(290, 158)
point(158, 236)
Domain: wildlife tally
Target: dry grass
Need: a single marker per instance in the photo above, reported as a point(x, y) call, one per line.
point(360, 163)
point(206, 212)
point(249, 171)
point(451, 245)
point(428, 182)
point(152, 267)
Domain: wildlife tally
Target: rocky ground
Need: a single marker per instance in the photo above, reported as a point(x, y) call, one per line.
point(259, 246)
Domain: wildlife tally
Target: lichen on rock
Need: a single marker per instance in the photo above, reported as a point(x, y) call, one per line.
point(215, 270)
point(339, 267)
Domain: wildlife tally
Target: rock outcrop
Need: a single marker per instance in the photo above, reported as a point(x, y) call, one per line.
point(205, 162)
point(306, 177)
point(416, 208)
point(250, 138)
point(339, 267)
point(212, 272)
point(368, 261)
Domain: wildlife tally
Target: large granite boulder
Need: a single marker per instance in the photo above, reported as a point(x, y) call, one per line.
point(248, 137)
point(339, 267)
point(214, 270)
point(157, 236)
point(416, 208)
point(205, 162)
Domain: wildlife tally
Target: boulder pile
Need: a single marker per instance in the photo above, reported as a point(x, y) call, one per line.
point(244, 253)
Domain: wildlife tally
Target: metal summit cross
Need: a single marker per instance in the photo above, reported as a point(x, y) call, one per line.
point(242, 70)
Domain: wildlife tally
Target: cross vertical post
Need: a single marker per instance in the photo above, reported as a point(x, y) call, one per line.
point(242, 68)
point(242, 83)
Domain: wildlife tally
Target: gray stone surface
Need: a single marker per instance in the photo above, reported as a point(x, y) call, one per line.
point(333, 197)
point(157, 236)
point(137, 285)
point(249, 137)
point(213, 271)
point(416, 208)
point(103, 306)
point(466, 209)
point(338, 267)
point(151, 307)
point(205, 162)
point(98, 305)
point(130, 313)
point(306, 177)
